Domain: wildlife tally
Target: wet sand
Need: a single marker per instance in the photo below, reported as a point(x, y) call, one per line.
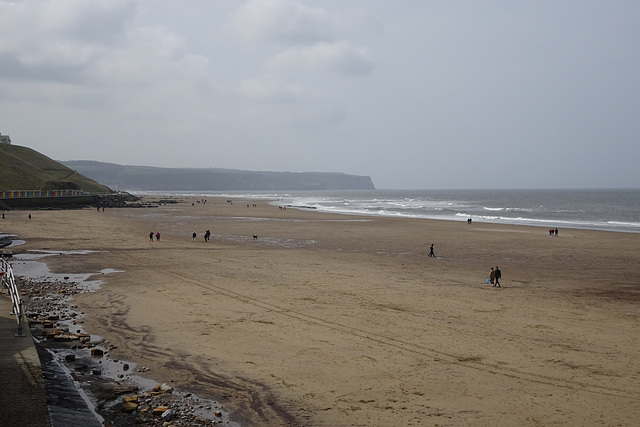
point(335, 320)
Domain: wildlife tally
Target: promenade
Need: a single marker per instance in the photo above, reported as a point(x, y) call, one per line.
point(23, 399)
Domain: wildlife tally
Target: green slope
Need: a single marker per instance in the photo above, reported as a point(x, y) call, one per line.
point(22, 168)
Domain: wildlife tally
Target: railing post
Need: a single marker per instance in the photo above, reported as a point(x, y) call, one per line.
point(20, 333)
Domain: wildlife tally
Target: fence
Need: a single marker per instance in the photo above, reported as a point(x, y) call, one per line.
point(7, 280)
point(31, 194)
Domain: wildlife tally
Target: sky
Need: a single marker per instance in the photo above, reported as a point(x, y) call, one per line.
point(416, 94)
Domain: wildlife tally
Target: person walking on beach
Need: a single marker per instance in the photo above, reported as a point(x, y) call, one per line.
point(207, 235)
point(151, 236)
point(492, 277)
point(157, 237)
point(498, 275)
point(194, 235)
point(431, 251)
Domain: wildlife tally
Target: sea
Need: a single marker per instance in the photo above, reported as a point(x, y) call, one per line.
point(598, 209)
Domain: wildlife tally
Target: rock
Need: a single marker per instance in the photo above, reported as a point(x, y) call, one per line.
point(159, 410)
point(165, 388)
point(70, 357)
point(168, 415)
point(97, 352)
point(129, 407)
point(130, 399)
point(108, 390)
point(65, 337)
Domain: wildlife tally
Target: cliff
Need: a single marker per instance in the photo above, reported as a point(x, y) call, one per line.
point(144, 178)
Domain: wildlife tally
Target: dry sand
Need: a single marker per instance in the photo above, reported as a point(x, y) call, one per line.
point(329, 320)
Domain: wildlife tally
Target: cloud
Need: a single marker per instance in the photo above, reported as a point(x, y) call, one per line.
point(339, 56)
point(61, 33)
point(285, 21)
point(91, 55)
point(269, 88)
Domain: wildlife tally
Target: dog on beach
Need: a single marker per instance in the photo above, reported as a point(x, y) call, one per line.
point(255, 237)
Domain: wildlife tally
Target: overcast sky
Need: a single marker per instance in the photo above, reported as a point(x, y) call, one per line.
point(416, 94)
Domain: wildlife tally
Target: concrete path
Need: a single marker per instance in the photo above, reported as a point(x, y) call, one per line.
point(23, 399)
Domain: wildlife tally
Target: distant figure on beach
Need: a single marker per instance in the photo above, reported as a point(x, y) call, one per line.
point(498, 275)
point(551, 232)
point(431, 251)
point(556, 232)
point(2, 215)
point(151, 236)
point(157, 237)
point(29, 216)
point(194, 235)
point(492, 276)
point(207, 235)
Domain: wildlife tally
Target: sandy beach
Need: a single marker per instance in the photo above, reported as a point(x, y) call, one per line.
point(336, 320)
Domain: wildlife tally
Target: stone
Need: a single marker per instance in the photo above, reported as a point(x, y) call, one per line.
point(64, 337)
point(165, 388)
point(129, 407)
point(97, 352)
point(159, 410)
point(168, 414)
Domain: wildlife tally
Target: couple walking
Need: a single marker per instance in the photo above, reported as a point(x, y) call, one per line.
point(494, 276)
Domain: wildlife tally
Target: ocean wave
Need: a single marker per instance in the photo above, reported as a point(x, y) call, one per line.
point(548, 208)
point(624, 224)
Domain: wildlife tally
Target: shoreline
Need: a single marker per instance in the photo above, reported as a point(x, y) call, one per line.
point(318, 300)
point(435, 205)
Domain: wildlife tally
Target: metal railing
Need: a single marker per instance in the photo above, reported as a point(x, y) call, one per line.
point(7, 280)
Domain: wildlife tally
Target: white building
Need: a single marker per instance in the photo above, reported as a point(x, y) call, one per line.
point(4, 139)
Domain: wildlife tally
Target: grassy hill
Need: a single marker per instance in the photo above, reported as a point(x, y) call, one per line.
point(22, 168)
